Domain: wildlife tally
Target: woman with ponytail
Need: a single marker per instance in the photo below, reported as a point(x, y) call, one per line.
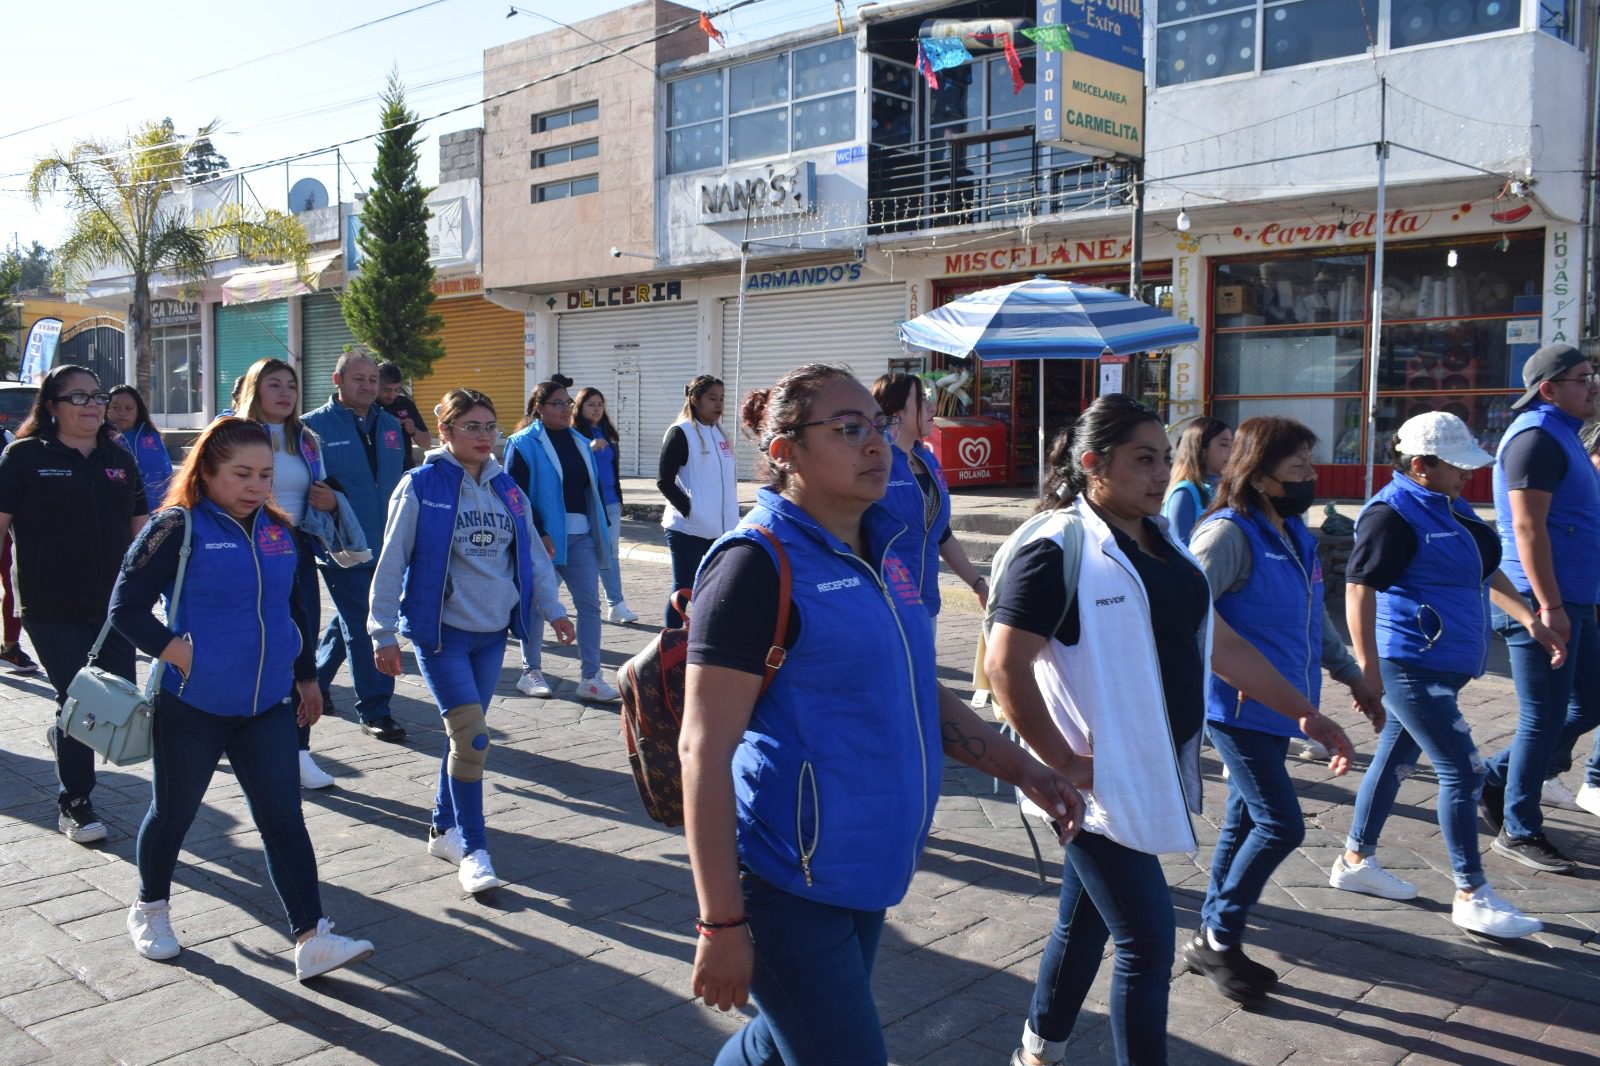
point(1107, 685)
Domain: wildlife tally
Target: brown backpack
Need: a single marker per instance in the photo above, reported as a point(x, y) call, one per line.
point(652, 699)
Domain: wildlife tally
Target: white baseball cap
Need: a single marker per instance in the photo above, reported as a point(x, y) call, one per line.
point(1443, 435)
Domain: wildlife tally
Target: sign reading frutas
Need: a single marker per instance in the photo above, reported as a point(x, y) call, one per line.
point(765, 193)
point(1089, 93)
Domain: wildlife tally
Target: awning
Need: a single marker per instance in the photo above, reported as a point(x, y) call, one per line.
point(273, 282)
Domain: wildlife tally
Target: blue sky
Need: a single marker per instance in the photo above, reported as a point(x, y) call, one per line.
point(93, 68)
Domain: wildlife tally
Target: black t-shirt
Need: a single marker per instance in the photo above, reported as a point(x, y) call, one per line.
point(1032, 598)
point(73, 519)
point(403, 408)
point(1533, 459)
point(1386, 544)
point(574, 472)
point(735, 609)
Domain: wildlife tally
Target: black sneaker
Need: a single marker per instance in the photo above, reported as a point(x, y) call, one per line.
point(17, 660)
point(1534, 852)
point(78, 822)
point(1228, 971)
point(1492, 805)
point(385, 728)
point(1263, 975)
point(328, 708)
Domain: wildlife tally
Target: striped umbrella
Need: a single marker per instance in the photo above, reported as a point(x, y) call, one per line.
point(1045, 319)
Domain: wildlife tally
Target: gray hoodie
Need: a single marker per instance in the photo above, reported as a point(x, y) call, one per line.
point(480, 585)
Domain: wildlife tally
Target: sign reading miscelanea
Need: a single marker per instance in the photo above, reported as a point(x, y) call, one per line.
point(1089, 97)
point(767, 192)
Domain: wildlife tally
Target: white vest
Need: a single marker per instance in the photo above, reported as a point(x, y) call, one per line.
point(1105, 695)
point(710, 480)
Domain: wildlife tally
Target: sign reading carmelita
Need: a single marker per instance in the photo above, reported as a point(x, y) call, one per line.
point(1090, 97)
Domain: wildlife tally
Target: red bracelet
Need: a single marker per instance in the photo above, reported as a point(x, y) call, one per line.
point(710, 929)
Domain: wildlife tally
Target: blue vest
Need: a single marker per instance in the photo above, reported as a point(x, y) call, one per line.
point(838, 773)
point(1573, 525)
point(1442, 597)
point(1279, 611)
point(549, 502)
point(438, 487)
point(344, 457)
point(605, 467)
point(155, 465)
point(235, 610)
point(920, 545)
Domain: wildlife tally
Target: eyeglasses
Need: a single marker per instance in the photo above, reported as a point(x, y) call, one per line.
point(475, 429)
point(557, 403)
point(1582, 379)
point(855, 429)
point(84, 399)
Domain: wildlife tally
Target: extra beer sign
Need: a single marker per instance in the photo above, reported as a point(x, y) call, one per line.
point(1090, 97)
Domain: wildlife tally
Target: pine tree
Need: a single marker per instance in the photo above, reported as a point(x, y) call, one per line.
point(389, 304)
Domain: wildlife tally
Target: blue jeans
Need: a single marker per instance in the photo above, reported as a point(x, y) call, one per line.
point(686, 552)
point(305, 582)
point(1261, 827)
point(611, 577)
point(1544, 718)
point(1583, 714)
point(187, 743)
point(63, 649)
point(812, 984)
point(1107, 890)
point(581, 575)
point(1423, 717)
point(464, 671)
point(346, 633)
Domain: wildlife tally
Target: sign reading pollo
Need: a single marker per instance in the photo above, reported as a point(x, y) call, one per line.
point(971, 450)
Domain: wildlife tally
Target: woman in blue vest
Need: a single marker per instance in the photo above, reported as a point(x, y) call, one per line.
point(1420, 579)
point(130, 420)
point(1102, 670)
point(459, 570)
point(1266, 580)
point(591, 419)
point(1197, 461)
point(917, 493)
point(270, 396)
point(235, 649)
point(552, 463)
point(807, 801)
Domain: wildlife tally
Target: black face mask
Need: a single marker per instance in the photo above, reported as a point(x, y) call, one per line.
point(1297, 498)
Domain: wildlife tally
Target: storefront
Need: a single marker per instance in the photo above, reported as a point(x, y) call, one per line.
point(1291, 335)
point(244, 333)
point(482, 350)
point(177, 390)
point(323, 339)
point(830, 313)
point(639, 344)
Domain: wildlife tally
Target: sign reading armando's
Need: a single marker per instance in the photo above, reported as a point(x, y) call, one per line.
point(1089, 91)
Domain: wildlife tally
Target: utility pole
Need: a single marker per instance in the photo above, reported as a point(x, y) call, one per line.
point(1381, 224)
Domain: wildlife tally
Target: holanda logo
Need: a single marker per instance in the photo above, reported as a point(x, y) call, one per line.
point(974, 451)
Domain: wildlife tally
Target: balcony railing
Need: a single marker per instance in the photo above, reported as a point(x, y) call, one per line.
point(961, 179)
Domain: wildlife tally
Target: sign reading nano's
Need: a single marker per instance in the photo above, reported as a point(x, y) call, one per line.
point(654, 292)
point(1089, 93)
point(763, 193)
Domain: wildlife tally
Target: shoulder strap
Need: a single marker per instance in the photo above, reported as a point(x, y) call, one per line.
point(777, 652)
point(1071, 560)
point(1071, 564)
point(177, 587)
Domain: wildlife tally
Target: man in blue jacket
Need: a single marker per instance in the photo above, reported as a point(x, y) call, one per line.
point(1546, 497)
point(363, 450)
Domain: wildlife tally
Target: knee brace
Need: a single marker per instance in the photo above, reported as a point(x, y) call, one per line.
point(469, 742)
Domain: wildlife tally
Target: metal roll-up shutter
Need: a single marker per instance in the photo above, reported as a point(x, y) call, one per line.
point(640, 359)
point(785, 330)
point(483, 351)
point(323, 336)
point(245, 333)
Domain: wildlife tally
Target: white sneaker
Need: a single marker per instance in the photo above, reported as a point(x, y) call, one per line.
point(150, 927)
point(325, 950)
point(618, 612)
point(1370, 878)
point(1588, 798)
point(596, 689)
point(1485, 912)
point(532, 683)
point(1310, 749)
point(477, 873)
point(1555, 794)
point(448, 845)
point(312, 775)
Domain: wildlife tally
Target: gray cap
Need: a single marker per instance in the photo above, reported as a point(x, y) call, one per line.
point(1544, 365)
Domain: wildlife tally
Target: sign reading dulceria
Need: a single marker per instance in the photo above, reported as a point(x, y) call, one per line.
point(645, 292)
point(761, 193)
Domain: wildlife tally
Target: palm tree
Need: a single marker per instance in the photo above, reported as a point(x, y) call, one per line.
point(118, 195)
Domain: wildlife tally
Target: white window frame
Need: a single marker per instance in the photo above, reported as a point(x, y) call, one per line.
point(538, 187)
point(545, 116)
point(536, 160)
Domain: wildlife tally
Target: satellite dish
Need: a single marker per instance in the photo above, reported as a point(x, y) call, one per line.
point(308, 194)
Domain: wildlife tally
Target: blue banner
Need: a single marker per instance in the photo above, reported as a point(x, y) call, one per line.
point(40, 352)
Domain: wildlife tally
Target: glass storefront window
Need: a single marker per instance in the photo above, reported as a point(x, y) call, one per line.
point(760, 84)
point(1486, 416)
point(1425, 21)
point(695, 99)
point(825, 68)
point(695, 148)
point(824, 121)
point(761, 134)
point(1274, 292)
point(1420, 283)
point(1453, 356)
point(1336, 422)
point(1307, 31)
point(1268, 362)
point(175, 372)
